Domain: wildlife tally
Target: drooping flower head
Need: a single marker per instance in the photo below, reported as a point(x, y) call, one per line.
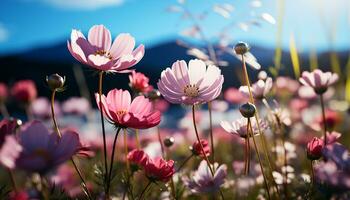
point(197, 148)
point(44, 150)
point(258, 89)
point(314, 148)
point(24, 91)
point(318, 80)
point(159, 169)
point(139, 82)
point(99, 52)
point(119, 110)
point(190, 85)
point(239, 126)
point(203, 181)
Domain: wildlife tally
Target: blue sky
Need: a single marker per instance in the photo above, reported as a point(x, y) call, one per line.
point(26, 24)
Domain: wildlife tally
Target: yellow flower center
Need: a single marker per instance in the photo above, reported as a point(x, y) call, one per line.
point(104, 53)
point(191, 90)
point(121, 112)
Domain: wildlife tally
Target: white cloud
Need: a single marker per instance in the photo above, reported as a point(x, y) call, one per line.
point(4, 33)
point(83, 4)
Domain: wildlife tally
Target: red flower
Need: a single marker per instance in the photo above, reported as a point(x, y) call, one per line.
point(197, 149)
point(24, 91)
point(159, 169)
point(138, 157)
point(20, 195)
point(139, 82)
point(314, 149)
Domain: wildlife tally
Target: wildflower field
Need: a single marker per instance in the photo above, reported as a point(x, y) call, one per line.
point(216, 123)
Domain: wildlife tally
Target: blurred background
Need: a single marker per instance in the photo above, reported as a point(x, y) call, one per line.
point(34, 33)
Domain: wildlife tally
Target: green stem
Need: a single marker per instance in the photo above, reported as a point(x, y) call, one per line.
point(324, 119)
point(211, 132)
point(184, 162)
point(112, 160)
point(145, 189)
point(100, 81)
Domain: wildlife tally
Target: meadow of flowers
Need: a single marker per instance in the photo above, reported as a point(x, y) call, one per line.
point(273, 138)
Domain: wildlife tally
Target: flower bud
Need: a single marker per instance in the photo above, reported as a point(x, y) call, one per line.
point(153, 95)
point(197, 148)
point(55, 81)
point(241, 48)
point(169, 141)
point(247, 110)
point(314, 149)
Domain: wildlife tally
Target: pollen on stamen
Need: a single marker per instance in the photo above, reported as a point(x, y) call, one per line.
point(191, 90)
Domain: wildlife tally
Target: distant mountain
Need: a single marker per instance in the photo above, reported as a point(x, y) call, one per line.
point(37, 63)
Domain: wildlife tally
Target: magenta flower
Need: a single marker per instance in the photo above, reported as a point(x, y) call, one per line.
point(190, 85)
point(203, 182)
point(258, 89)
point(239, 127)
point(138, 157)
point(318, 80)
point(159, 169)
point(314, 148)
point(98, 51)
point(24, 91)
point(139, 82)
point(119, 110)
point(44, 150)
point(197, 149)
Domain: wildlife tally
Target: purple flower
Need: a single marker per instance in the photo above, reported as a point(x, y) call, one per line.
point(190, 85)
point(99, 52)
point(339, 154)
point(318, 80)
point(329, 174)
point(203, 182)
point(44, 150)
point(258, 89)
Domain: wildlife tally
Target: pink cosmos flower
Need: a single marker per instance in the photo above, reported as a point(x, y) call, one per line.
point(3, 92)
point(139, 82)
point(239, 126)
point(9, 147)
point(318, 80)
point(44, 150)
point(332, 137)
point(190, 85)
point(203, 182)
point(197, 149)
point(99, 52)
point(286, 85)
point(76, 106)
point(314, 148)
point(138, 157)
point(24, 91)
point(41, 108)
point(233, 95)
point(159, 169)
point(333, 118)
point(258, 89)
point(119, 109)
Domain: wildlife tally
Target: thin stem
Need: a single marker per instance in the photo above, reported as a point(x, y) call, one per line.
point(53, 113)
point(100, 81)
point(126, 150)
point(60, 135)
point(262, 136)
point(246, 156)
point(199, 141)
point(259, 159)
point(324, 119)
point(312, 173)
point(184, 162)
point(4, 111)
point(138, 146)
point(160, 142)
point(201, 145)
point(249, 156)
point(145, 189)
point(211, 132)
point(112, 160)
point(13, 180)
